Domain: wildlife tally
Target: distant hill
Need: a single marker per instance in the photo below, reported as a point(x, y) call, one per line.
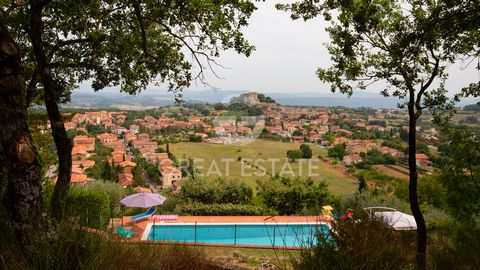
point(111, 99)
point(472, 107)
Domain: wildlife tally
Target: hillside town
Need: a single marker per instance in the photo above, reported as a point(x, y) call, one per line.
point(119, 139)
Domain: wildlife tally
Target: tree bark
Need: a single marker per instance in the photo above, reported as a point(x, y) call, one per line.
point(60, 137)
point(24, 191)
point(412, 189)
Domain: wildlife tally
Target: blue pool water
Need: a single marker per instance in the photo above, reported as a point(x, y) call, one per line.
point(291, 235)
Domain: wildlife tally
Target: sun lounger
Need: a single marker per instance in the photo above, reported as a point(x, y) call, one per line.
point(147, 214)
point(127, 234)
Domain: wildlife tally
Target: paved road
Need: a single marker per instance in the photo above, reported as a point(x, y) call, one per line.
point(153, 186)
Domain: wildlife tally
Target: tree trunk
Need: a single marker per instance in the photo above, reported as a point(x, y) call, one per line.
point(24, 191)
point(62, 142)
point(412, 190)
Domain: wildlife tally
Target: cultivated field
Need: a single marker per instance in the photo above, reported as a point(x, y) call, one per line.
point(260, 159)
point(393, 171)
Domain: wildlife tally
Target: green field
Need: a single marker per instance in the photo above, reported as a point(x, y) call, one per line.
point(216, 160)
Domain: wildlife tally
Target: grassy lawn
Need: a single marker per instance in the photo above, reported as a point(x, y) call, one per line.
point(215, 160)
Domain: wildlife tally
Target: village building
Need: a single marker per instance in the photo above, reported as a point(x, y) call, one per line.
point(85, 164)
point(107, 138)
point(87, 142)
point(171, 176)
point(145, 145)
point(350, 160)
point(134, 129)
point(143, 137)
point(125, 179)
point(128, 166)
point(422, 160)
point(79, 153)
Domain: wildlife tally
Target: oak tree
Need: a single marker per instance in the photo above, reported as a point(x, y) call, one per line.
point(49, 47)
point(405, 45)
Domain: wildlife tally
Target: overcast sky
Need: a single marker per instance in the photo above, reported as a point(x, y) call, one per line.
point(286, 57)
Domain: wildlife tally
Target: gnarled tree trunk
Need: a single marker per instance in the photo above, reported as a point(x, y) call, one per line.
point(62, 142)
point(24, 192)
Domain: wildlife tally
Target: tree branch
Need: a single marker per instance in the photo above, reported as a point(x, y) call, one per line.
point(141, 23)
point(429, 82)
point(62, 43)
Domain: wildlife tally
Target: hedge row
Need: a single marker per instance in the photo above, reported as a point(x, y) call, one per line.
point(228, 209)
point(92, 207)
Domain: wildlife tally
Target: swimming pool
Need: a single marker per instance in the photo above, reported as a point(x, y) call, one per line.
point(278, 235)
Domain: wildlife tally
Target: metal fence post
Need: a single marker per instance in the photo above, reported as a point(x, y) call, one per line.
point(153, 229)
point(235, 233)
point(195, 232)
point(273, 236)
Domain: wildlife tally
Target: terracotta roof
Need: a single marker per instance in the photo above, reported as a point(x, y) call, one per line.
point(84, 163)
point(125, 179)
point(161, 156)
point(166, 162)
point(421, 156)
point(170, 169)
point(78, 178)
point(137, 142)
point(142, 190)
point(82, 139)
point(106, 136)
point(128, 164)
point(79, 150)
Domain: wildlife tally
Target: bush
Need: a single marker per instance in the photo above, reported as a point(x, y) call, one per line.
point(338, 151)
point(195, 138)
point(216, 191)
point(374, 156)
point(115, 193)
point(360, 244)
point(306, 150)
point(227, 209)
point(92, 207)
point(102, 150)
point(290, 196)
point(294, 154)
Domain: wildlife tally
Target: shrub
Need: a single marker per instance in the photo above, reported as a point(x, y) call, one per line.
point(289, 196)
point(195, 138)
point(306, 151)
point(216, 191)
point(294, 154)
point(92, 207)
point(115, 193)
point(228, 209)
point(338, 151)
point(360, 244)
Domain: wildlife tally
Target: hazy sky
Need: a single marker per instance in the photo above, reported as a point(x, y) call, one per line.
point(286, 57)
